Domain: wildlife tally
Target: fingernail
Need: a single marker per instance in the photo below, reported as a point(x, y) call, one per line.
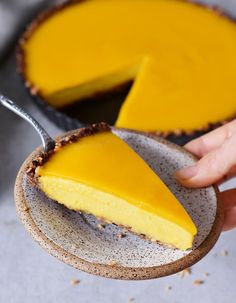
point(187, 173)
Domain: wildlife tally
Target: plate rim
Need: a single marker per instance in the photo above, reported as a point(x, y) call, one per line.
point(115, 271)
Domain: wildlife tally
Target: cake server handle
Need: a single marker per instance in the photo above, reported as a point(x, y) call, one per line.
point(48, 142)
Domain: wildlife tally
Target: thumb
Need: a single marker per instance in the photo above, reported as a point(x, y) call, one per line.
point(212, 168)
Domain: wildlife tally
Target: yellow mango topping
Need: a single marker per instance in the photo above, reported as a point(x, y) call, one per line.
point(100, 174)
point(181, 57)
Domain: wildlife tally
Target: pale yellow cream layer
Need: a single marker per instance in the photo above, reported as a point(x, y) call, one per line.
point(182, 57)
point(102, 175)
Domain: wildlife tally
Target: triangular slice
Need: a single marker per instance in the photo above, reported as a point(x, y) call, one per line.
point(100, 174)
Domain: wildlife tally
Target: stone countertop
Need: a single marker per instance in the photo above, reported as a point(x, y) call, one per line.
point(29, 274)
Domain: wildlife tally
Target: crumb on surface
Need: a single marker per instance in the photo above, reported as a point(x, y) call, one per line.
point(168, 288)
point(198, 282)
point(224, 252)
point(112, 263)
point(186, 272)
point(126, 229)
point(26, 208)
point(131, 300)
point(121, 235)
point(207, 274)
point(29, 170)
point(74, 281)
point(101, 226)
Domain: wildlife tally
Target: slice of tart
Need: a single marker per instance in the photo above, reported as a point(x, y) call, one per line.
point(180, 56)
point(98, 173)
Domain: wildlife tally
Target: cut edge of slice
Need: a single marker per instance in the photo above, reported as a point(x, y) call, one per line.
point(106, 83)
point(139, 221)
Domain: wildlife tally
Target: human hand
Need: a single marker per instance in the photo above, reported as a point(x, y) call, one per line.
point(217, 153)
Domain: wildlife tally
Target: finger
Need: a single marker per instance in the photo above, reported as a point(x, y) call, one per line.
point(230, 219)
point(212, 168)
point(228, 198)
point(204, 144)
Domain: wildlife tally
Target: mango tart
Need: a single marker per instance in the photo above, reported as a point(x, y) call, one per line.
point(183, 70)
point(94, 171)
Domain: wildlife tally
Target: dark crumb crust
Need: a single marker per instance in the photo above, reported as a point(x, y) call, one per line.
point(195, 132)
point(128, 229)
point(35, 91)
point(76, 136)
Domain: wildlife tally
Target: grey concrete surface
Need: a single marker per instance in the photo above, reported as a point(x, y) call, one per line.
point(29, 275)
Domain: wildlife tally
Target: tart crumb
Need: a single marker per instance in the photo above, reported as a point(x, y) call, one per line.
point(168, 288)
point(34, 90)
point(26, 208)
point(27, 83)
point(207, 274)
point(198, 282)
point(178, 132)
point(131, 300)
point(29, 170)
point(224, 252)
point(101, 226)
point(184, 273)
point(112, 263)
point(126, 229)
point(74, 281)
point(121, 235)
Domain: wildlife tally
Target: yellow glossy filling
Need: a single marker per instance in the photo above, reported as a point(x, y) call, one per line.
point(102, 175)
point(182, 57)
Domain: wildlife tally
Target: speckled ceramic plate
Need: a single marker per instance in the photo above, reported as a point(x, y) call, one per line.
point(79, 241)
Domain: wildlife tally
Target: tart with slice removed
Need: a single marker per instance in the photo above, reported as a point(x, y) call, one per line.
point(98, 173)
point(180, 57)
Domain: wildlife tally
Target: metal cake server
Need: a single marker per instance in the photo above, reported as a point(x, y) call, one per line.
point(47, 141)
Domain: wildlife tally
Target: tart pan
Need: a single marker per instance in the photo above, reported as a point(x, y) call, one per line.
point(103, 107)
